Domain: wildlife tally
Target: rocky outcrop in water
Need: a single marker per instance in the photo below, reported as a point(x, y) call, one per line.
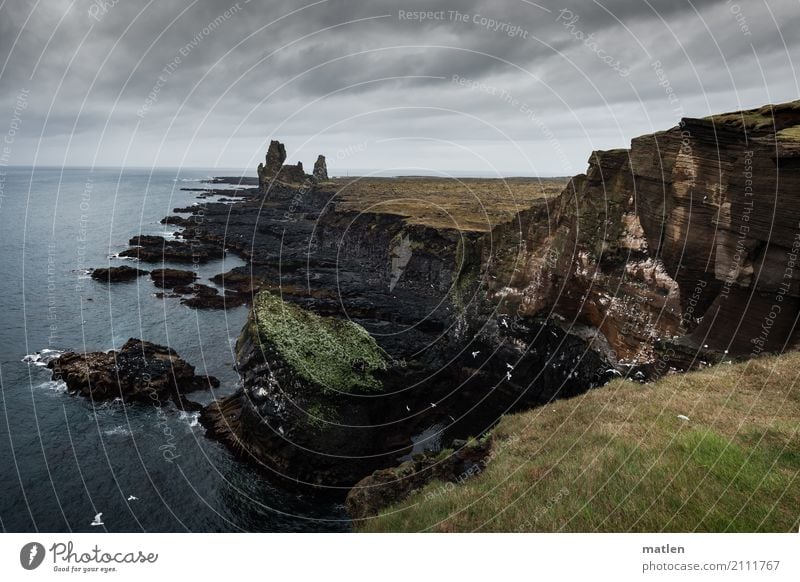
point(306, 404)
point(170, 278)
point(140, 371)
point(116, 274)
point(157, 249)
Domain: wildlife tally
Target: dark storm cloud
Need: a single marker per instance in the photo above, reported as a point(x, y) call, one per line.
point(201, 82)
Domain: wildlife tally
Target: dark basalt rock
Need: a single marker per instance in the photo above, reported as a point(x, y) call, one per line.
point(116, 274)
point(239, 281)
point(175, 220)
point(171, 278)
point(206, 301)
point(300, 413)
point(196, 289)
point(320, 172)
point(140, 371)
point(156, 249)
point(274, 168)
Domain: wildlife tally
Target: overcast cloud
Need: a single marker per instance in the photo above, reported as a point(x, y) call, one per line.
point(209, 83)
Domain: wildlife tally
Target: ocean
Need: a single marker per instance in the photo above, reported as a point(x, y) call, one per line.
point(64, 458)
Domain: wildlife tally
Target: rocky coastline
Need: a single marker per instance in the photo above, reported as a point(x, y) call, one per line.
point(371, 327)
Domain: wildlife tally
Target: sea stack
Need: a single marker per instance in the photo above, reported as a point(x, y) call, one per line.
point(275, 169)
point(320, 169)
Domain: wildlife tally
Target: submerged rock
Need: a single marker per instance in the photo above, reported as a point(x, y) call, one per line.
point(140, 371)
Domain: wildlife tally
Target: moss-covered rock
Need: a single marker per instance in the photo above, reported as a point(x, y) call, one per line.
point(335, 354)
point(302, 410)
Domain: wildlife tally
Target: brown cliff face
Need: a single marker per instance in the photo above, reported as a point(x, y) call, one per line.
point(689, 239)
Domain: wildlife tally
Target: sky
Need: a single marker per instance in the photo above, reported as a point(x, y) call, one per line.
point(505, 87)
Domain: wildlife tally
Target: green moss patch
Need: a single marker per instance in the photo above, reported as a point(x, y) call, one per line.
point(338, 355)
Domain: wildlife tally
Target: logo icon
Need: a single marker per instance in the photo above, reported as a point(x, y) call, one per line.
point(31, 555)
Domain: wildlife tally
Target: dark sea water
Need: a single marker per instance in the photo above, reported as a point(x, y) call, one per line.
point(62, 458)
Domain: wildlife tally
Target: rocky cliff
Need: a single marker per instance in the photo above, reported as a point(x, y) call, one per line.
point(677, 252)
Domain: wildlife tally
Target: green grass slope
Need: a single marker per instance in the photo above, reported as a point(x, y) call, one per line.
point(619, 459)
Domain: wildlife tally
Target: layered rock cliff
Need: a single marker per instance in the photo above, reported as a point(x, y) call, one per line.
point(676, 252)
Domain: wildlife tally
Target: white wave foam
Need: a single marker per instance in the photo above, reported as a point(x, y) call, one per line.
point(193, 418)
point(55, 385)
point(173, 235)
point(119, 258)
point(42, 358)
point(119, 430)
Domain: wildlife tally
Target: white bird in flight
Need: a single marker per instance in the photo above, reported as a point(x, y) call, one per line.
point(509, 366)
point(475, 354)
point(433, 405)
point(408, 408)
point(508, 375)
point(98, 520)
point(132, 498)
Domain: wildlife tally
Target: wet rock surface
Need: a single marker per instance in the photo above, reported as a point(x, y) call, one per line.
point(139, 372)
point(117, 274)
point(157, 249)
point(171, 278)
